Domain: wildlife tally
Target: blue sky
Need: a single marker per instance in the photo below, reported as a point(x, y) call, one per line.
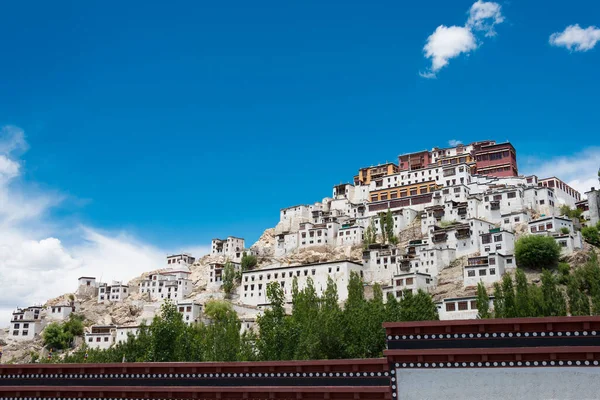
point(160, 126)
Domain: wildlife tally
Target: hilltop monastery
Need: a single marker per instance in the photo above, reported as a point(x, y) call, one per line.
point(465, 202)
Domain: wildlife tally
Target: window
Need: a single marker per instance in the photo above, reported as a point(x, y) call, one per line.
point(482, 272)
point(409, 281)
point(450, 306)
point(511, 195)
point(549, 225)
point(188, 308)
point(473, 304)
point(90, 339)
point(541, 201)
point(98, 339)
point(463, 305)
point(498, 238)
point(399, 282)
point(492, 271)
point(492, 261)
point(16, 326)
point(509, 260)
point(106, 339)
point(471, 273)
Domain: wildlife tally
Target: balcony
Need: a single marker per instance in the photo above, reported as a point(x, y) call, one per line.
point(463, 233)
point(439, 237)
point(477, 261)
point(405, 265)
point(494, 205)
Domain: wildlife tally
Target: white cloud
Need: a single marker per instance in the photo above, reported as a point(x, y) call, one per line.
point(450, 42)
point(446, 43)
point(578, 170)
point(35, 265)
point(454, 142)
point(575, 38)
point(483, 16)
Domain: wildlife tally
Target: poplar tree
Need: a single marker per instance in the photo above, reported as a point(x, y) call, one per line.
point(389, 227)
point(523, 302)
point(579, 302)
point(483, 302)
point(555, 304)
point(510, 309)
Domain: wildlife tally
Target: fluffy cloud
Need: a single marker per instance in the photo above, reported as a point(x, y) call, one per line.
point(483, 16)
point(35, 264)
point(575, 38)
point(445, 43)
point(454, 142)
point(450, 42)
point(580, 170)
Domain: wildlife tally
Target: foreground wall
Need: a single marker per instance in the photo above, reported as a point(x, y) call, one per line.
point(521, 358)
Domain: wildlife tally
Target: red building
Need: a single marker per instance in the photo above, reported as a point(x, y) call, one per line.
point(496, 159)
point(412, 161)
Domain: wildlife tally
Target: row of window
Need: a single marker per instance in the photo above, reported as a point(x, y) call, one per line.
point(482, 272)
point(461, 306)
point(16, 333)
point(98, 339)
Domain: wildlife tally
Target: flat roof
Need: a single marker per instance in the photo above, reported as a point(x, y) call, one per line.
point(86, 277)
point(301, 266)
point(549, 217)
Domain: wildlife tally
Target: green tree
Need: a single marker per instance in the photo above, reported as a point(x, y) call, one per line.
point(510, 302)
point(483, 302)
point(249, 261)
point(392, 308)
point(228, 278)
point(389, 228)
point(417, 307)
point(273, 327)
point(522, 299)
point(537, 252)
point(571, 213)
point(536, 297)
point(165, 330)
point(332, 339)
point(579, 302)
point(382, 227)
point(498, 301)
point(555, 304)
point(306, 322)
point(370, 236)
point(222, 335)
point(55, 337)
point(355, 318)
point(591, 234)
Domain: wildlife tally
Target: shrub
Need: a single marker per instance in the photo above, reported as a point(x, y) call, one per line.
point(249, 261)
point(591, 235)
point(564, 230)
point(537, 252)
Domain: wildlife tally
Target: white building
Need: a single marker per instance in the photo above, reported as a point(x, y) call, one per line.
point(177, 260)
point(26, 323)
point(248, 324)
point(254, 283)
point(168, 284)
point(350, 235)
point(87, 286)
point(561, 229)
point(459, 308)
point(412, 281)
point(486, 269)
point(122, 333)
point(593, 206)
point(191, 311)
point(60, 312)
point(232, 248)
point(115, 292)
point(551, 225)
point(215, 274)
point(100, 337)
point(564, 193)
